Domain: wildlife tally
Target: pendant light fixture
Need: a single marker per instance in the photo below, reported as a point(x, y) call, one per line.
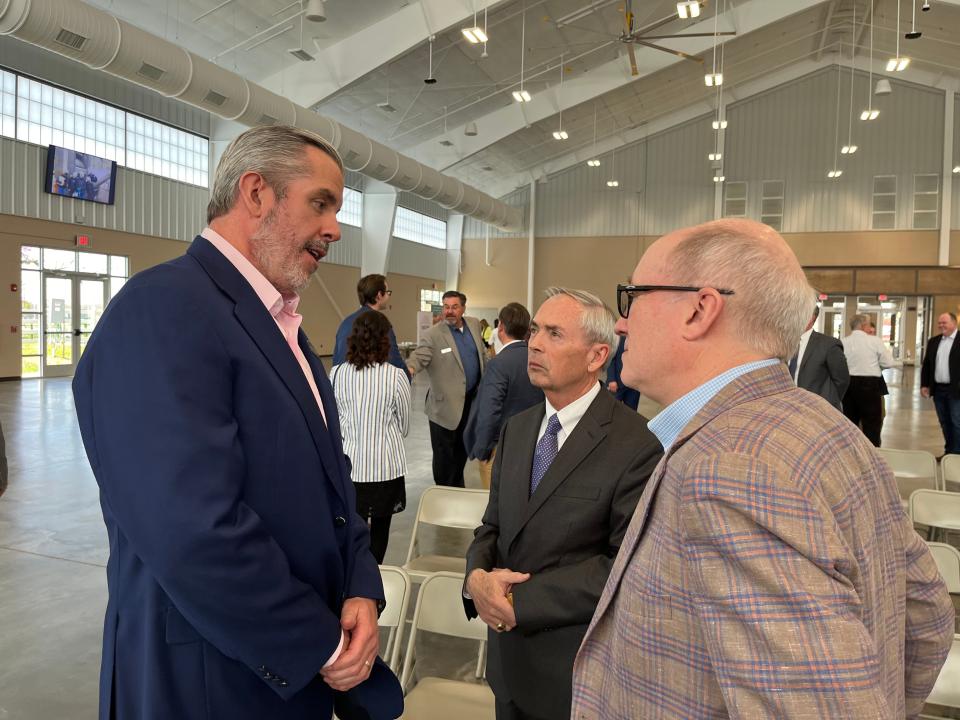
point(914, 33)
point(714, 79)
point(521, 95)
point(836, 171)
point(850, 148)
point(870, 113)
point(613, 182)
point(594, 161)
point(430, 79)
point(897, 63)
point(474, 34)
point(560, 133)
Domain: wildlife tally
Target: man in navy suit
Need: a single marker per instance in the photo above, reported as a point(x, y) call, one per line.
point(505, 389)
point(240, 579)
point(373, 294)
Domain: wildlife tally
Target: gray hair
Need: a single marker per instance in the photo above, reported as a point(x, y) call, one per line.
point(857, 321)
point(596, 319)
point(773, 301)
point(274, 151)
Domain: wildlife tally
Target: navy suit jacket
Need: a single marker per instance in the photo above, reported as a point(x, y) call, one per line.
point(227, 501)
point(504, 390)
point(343, 334)
point(628, 396)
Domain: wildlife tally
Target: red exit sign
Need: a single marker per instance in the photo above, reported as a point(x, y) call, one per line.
point(83, 241)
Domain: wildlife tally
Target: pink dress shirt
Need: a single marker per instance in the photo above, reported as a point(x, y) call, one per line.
point(283, 310)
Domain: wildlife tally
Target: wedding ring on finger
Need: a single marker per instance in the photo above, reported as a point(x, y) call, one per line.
point(366, 663)
point(501, 627)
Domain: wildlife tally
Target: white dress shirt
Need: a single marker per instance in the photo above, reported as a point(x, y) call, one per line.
point(569, 416)
point(941, 373)
point(804, 339)
point(867, 355)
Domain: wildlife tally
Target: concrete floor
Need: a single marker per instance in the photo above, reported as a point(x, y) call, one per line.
point(53, 547)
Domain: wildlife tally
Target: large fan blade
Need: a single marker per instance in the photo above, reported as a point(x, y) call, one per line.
point(686, 35)
point(678, 53)
point(633, 61)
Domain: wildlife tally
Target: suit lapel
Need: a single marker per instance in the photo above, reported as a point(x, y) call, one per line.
point(519, 465)
point(263, 330)
point(452, 344)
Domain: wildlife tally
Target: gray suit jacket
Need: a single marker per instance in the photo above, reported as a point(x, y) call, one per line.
point(504, 391)
point(823, 369)
point(566, 535)
point(439, 356)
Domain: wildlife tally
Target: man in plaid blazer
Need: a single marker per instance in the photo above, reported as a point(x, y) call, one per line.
point(769, 570)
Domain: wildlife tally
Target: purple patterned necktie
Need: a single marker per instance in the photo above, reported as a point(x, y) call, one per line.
point(545, 453)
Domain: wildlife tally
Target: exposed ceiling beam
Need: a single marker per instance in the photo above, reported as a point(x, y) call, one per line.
point(505, 184)
point(493, 127)
point(351, 58)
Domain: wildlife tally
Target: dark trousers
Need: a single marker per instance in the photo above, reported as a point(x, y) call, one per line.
point(379, 535)
point(863, 405)
point(506, 710)
point(948, 413)
point(449, 454)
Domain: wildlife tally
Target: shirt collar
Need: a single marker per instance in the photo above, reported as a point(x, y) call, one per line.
point(952, 335)
point(271, 298)
point(806, 335)
point(674, 418)
point(506, 345)
point(570, 415)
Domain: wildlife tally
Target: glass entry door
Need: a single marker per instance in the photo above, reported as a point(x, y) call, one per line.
point(72, 307)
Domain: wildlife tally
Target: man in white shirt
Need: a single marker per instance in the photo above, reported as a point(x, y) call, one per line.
point(940, 379)
point(567, 476)
point(820, 365)
point(867, 356)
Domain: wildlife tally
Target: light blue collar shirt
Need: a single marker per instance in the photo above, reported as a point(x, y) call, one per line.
point(674, 418)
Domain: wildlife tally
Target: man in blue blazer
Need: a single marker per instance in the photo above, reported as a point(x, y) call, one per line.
point(373, 294)
point(505, 389)
point(240, 579)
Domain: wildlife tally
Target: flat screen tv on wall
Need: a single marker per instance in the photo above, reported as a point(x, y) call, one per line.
point(80, 175)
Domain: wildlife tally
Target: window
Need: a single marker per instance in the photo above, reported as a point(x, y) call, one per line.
point(166, 151)
point(430, 299)
point(926, 201)
point(884, 202)
point(735, 199)
point(410, 225)
point(351, 212)
point(8, 104)
point(50, 116)
point(33, 262)
point(771, 204)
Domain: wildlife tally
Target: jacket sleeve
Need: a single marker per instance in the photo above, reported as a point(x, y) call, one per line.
point(930, 620)
point(926, 368)
point(402, 409)
point(395, 358)
point(155, 397)
point(569, 594)
point(837, 367)
point(489, 411)
point(423, 355)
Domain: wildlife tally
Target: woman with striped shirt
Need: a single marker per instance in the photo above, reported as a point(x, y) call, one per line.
point(373, 401)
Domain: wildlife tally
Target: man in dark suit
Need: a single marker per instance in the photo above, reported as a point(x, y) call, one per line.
point(452, 354)
point(627, 395)
point(241, 584)
point(567, 476)
point(373, 294)
point(940, 379)
point(820, 365)
point(505, 389)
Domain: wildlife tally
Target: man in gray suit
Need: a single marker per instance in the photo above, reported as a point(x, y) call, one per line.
point(820, 365)
point(452, 354)
point(504, 390)
point(567, 475)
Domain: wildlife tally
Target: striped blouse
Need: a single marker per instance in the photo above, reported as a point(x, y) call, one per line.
point(374, 409)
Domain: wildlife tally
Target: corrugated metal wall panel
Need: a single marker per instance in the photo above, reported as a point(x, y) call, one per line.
point(788, 134)
point(680, 187)
point(53, 68)
point(144, 204)
point(410, 258)
point(348, 250)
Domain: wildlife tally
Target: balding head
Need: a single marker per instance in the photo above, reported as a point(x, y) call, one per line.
point(701, 333)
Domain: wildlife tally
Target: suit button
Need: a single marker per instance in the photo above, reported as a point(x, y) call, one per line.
point(339, 521)
point(283, 683)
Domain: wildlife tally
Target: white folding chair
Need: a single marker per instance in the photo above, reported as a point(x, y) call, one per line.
point(950, 472)
point(450, 507)
point(396, 591)
point(946, 691)
point(913, 469)
point(947, 558)
point(936, 509)
point(439, 609)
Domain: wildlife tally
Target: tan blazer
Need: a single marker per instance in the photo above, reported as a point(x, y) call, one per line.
point(769, 572)
point(439, 356)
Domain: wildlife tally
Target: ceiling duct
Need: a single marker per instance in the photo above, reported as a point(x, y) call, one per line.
point(103, 42)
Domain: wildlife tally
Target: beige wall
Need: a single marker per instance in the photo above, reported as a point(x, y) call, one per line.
point(334, 288)
point(845, 262)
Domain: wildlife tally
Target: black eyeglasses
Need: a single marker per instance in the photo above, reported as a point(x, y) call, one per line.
point(627, 293)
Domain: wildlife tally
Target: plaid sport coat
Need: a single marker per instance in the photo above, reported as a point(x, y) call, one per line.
point(769, 571)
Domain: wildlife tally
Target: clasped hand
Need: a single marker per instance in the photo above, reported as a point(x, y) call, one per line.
point(489, 591)
point(361, 643)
